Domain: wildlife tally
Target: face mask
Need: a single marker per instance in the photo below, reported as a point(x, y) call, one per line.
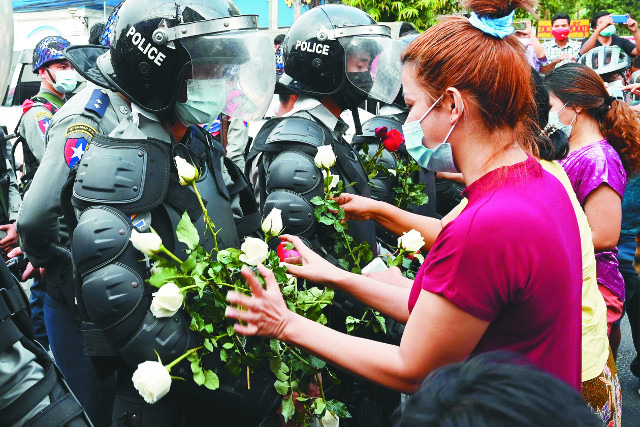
point(65, 81)
point(440, 159)
point(560, 34)
point(205, 100)
point(609, 31)
point(554, 119)
point(524, 41)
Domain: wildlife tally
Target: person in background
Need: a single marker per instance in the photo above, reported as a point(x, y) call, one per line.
point(533, 48)
point(561, 49)
point(496, 389)
point(277, 45)
point(604, 34)
point(604, 143)
point(95, 32)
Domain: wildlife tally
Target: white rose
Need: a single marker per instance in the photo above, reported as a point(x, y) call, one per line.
point(272, 224)
point(411, 241)
point(254, 250)
point(329, 420)
point(186, 171)
point(334, 179)
point(325, 158)
point(147, 243)
point(166, 301)
point(152, 380)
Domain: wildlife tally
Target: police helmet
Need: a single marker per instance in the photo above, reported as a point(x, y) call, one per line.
point(340, 51)
point(48, 50)
point(606, 60)
point(163, 52)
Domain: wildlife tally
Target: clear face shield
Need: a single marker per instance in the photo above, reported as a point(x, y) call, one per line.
point(232, 70)
point(6, 42)
point(373, 63)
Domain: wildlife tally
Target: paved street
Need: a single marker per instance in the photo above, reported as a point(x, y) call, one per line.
point(630, 384)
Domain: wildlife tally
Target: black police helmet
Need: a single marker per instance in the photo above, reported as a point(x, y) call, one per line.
point(148, 72)
point(313, 61)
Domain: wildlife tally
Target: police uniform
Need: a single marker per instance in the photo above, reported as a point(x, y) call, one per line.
point(45, 238)
point(37, 115)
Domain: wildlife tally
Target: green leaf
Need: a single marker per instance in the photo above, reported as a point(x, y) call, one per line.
point(344, 264)
point(317, 363)
point(199, 377)
point(381, 321)
point(275, 346)
point(212, 382)
point(319, 406)
point(186, 232)
point(228, 345)
point(325, 219)
point(188, 265)
point(208, 345)
point(287, 408)
point(317, 200)
point(338, 408)
point(163, 276)
point(282, 387)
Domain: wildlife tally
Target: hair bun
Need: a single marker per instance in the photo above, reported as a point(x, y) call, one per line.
point(499, 8)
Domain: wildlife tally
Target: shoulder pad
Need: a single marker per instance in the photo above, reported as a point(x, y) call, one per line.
point(300, 130)
point(98, 102)
point(369, 127)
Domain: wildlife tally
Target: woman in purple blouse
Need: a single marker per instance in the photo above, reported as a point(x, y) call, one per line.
point(604, 146)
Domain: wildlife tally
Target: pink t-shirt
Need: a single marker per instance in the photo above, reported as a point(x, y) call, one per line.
point(513, 258)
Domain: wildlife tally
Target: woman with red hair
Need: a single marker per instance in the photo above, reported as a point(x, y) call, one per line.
point(506, 273)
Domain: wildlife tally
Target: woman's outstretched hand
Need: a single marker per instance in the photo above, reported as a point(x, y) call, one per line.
point(356, 207)
point(265, 312)
point(309, 265)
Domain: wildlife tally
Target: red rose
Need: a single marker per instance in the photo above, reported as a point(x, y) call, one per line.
point(286, 253)
point(393, 140)
point(381, 132)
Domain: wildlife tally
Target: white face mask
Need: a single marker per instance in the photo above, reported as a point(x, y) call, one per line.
point(205, 100)
point(554, 119)
point(440, 159)
point(65, 80)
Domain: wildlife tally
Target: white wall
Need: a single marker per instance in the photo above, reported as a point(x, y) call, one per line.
point(30, 27)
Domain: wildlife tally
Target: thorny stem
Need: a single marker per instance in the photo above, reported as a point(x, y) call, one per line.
point(207, 218)
point(169, 254)
point(349, 246)
point(179, 359)
point(320, 386)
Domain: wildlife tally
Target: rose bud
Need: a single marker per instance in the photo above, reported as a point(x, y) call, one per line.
point(186, 171)
point(255, 251)
point(147, 243)
point(152, 380)
point(166, 301)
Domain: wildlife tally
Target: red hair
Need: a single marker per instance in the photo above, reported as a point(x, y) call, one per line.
point(492, 73)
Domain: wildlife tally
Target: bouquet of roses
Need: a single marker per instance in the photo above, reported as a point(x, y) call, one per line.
point(200, 283)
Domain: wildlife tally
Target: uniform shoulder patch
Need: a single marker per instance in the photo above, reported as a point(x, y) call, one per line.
point(98, 102)
point(74, 150)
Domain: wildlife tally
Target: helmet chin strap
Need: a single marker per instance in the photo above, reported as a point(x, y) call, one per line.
point(356, 120)
point(53, 81)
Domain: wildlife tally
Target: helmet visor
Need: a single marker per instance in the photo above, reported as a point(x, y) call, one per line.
point(373, 65)
point(234, 72)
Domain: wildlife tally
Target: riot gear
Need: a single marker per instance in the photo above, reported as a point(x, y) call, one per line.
point(341, 51)
point(186, 61)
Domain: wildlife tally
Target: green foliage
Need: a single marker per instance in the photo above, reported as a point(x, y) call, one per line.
point(421, 13)
point(204, 279)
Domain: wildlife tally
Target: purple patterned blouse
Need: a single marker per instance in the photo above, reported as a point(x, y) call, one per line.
point(587, 168)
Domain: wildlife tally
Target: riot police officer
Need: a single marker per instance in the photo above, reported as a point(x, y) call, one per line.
point(32, 391)
point(177, 65)
point(338, 56)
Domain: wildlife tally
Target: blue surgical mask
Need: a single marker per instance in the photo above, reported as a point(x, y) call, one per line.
point(66, 81)
point(440, 159)
point(554, 119)
point(205, 100)
point(609, 31)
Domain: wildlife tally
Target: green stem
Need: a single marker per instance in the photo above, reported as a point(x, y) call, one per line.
point(349, 247)
point(320, 386)
point(207, 218)
point(170, 255)
point(298, 356)
point(188, 287)
point(179, 359)
point(373, 159)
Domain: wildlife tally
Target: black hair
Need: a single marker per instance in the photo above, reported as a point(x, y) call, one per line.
point(596, 16)
point(552, 145)
point(496, 389)
point(95, 32)
point(560, 16)
point(635, 61)
point(278, 39)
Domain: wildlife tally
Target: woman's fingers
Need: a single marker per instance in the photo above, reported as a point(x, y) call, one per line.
point(238, 299)
point(269, 278)
point(252, 280)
